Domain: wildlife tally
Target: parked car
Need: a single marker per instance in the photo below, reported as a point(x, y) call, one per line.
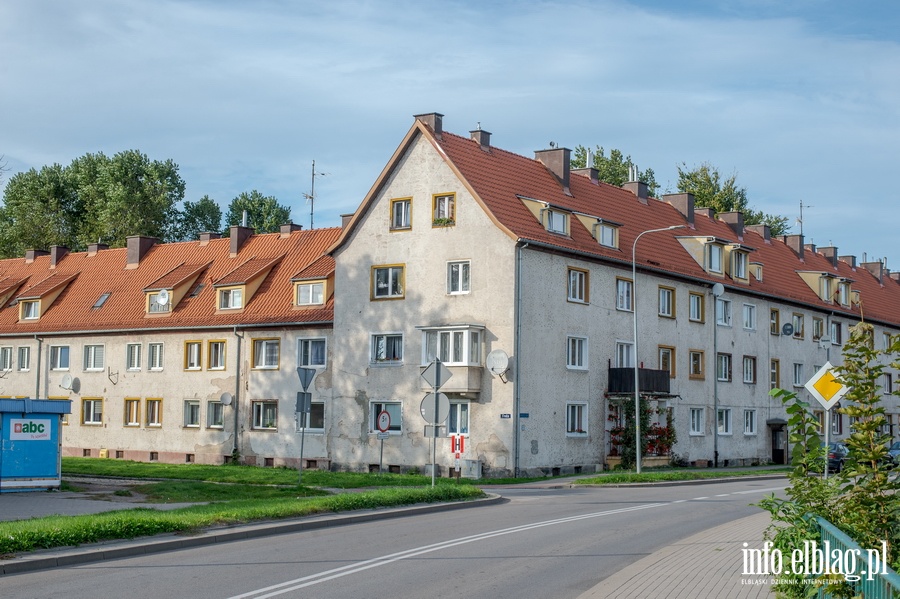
point(894, 453)
point(836, 456)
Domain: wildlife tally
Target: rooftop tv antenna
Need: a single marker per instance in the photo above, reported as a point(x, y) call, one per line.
point(311, 196)
point(800, 220)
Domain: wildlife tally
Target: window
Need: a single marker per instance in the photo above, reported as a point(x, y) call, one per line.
point(837, 423)
point(798, 375)
point(133, 356)
point(576, 420)
point(154, 412)
point(885, 341)
point(315, 419)
point(749, 317)
point(624, 354)
point(696, 307)
point(888, 386)
point(444, 210)
point(723, 367)
point(836, 330)
point(192, 413)
point(576, 353)
point(392, 408)
point(696, 362)
point(311, 353)
point(667, 359)
point(155, 356)
point(400, 213)
point(797, 321)
point(739, 265)
point(723, 312)
point(820, 418)
point(215, 355)
point(623, 294)
point(749, 422)
point(387, 282)
point(714, 256)
point(667, 302)
point(192, 355)
point(132, 411)
point(818, 328)
point(6, 359)
point(101, 300)
point(265, 353)
point(750, 369)
point(231, 299)
point(607, 235)
point(453, 346)
point(697, 427)
point(458, 277)
point(387, 348)
point(774, 321)
point(30, 309)
point(91, 411)
point(215, 414)
point(825, 291)
point(59, 357)
point(311, 294)
point(844, 294)
point(458, 422)
point(158, 302)
point(24, 358)
point(723, 421)
point(578, 286)
point(557, 221)
point(93, 357)
point(265, 415)
point(774, 374)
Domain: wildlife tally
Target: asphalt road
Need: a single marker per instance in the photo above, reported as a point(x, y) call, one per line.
point(542, 543)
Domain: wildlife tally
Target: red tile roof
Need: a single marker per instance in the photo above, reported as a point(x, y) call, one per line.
point(176, 276)
point(247, 271)
point(48, 285)
point(105, 272)
point(319, 269)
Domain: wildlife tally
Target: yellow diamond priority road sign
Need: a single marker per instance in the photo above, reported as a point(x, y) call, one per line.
point(825, 387)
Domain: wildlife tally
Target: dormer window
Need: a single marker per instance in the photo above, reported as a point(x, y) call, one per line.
point(606, 234)
point(556, 221)
point(231, 298)
point(29, 310)
point(739, 265)
point(826, 291)
point(844, 293)
point(158, 302)
point(714, 257)
point(757, 269)
point(311, 294)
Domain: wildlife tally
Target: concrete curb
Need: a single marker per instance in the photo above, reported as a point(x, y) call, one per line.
point(55, 558)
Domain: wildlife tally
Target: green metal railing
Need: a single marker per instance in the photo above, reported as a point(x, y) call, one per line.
point(882, 584)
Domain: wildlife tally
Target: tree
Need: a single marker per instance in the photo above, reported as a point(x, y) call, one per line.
point(614, 169)
point(711, 191)
point(195, 218)
point(264, 213)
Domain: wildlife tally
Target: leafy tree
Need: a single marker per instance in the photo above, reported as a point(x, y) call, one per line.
point(195, 218)
point(264, 213)
point(614, 169)
point(724, 195)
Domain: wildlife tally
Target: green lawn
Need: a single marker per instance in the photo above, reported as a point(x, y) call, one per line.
point(618, 478)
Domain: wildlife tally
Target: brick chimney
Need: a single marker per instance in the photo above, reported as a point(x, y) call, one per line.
point(831, 253)
point(207, 236)
point(762, 230)
point(138, 245)
point(57, 252)
point(557, 162)
point(483, 138)
point(434, 120)
point(709, 213)
point(795, 242)
point(589, 172)
point(288, 228)
point(810, 247)
point(851, 260)
point(735, 220)
point(30, 255)
point(684, 203)
point(876, 268)
point(238, 236)
point(895, 276)
point(345, 220)
point(93, 248)
point(638, 188)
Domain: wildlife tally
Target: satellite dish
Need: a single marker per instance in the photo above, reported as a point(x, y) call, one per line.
point(66, 382)
point(718, 289)
point(497, 362)
point(163, 297)
point(226, 399)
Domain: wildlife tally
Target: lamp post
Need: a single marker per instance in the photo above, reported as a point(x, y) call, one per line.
point(637, 389)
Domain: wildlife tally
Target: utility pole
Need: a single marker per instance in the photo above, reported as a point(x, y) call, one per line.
point(311, 196)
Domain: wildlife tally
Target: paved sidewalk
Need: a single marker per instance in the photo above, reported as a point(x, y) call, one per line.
point(705, 565)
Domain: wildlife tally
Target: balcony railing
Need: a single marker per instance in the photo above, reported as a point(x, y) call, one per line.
point(621, 380)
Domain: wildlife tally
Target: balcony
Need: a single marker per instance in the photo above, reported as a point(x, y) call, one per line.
point(651, 382)
point(464, 379)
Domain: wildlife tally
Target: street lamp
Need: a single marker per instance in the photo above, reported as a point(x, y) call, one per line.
point(637, 389)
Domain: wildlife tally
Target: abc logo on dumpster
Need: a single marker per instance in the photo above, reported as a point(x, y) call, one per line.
point(30, 430)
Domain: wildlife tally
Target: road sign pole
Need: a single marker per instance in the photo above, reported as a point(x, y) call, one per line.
point(381, 459)
point(436, 386)
point(302, 436)
point(827, 440)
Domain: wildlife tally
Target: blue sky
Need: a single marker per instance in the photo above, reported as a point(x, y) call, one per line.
point(800, 99)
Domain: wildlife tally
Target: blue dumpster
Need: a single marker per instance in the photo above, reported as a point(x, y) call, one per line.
point(30, 443)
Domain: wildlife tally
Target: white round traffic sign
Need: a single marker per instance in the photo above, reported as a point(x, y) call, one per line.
point(384, 421)
point(427, 408)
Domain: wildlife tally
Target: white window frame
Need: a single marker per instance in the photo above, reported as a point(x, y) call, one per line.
point(697, 422)
point(94, 415)
point(401, 213)
point(153, 407)
point(749, 317)
point(723, 312)
point(306, 354)
point(723, 421)
point(666, 302)
point(132, 409)
point(215, 355)
point(798, 374)
point(6, 358)
point(576, 353)
point(714, 257)
point(624, 295)
point(24, 358)
point(193, 355)
point(264, 415)
point(444, 207)
point(749, 422)
point(383, 346)
point(306, 420)
point(153, 305)
point(455, 346)
point(701, 362)
point(94, 357)
point(215, 414)
point(666, 353)
point(557, 221)
point(311, 294)
point(394, 408)
point(739, 265)
point(607, 235)
point(31, 310)
point(155, 356)
point(723, 368)
point(696, 308)
point(797, 321)
point(133, 356)
point(59, 357)
point(459, 280)
point(192, 413)
point(749, 368)
point(458, 421)
point(576, 419)
point(624, 354)
point(578, 286)
point(844, 294)
point(231, 298)
point(837, 337)
point(261, 357)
